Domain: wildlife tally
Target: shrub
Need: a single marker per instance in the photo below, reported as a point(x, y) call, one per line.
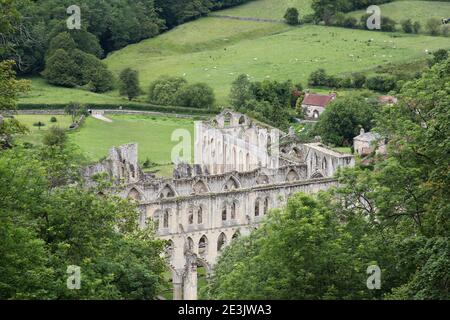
point(433, 25)
point(164, 91)
point(358, 80)
point(318, 78)
point(61, 69)
point(129, 83)
point(53, 119)
point(292, 16)
point(417, 27)
point(407, 26)
point(381, 83)
point(198, 95)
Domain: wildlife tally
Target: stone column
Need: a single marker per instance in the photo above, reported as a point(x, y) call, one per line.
point(177, 285)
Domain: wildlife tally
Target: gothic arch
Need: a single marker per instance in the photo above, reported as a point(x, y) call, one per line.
point(203, 246)
point(232, 184)
point(135, 195)
point(221, 241)
point(292, 176)
point(236, 235)
point(266, 206)
point(167, 192)
point(200, 187)
point(200, 216)
point(166, 217)
point(257, 207)
point(242, 120)
point(224, 212)
point(234, 206)
point(190, 216)
point(317, 175)
point(190, 244)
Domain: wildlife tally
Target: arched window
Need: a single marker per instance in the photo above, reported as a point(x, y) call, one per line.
point(191, 217)
point(166, 219)
point(231, 184)
point(167, 192)
point(266, 206)
point(203, 246)
point(236, 235)
point(233, 211)
point(324, 164)
point(257, 208)
point(269, 145)
point(134, 195)
point(190, 244)
point(292, 176)
point(200, 216)
point(221, 242)
point(224, 213)
point(242, 120)
point(200, 187)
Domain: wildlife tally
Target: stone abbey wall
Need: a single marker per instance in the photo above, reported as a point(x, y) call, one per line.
point(242, 170)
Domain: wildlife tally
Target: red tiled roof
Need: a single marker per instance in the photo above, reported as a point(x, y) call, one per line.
point(321, 100)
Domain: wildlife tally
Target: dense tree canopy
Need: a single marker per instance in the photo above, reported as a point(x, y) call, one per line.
point(394, 214)
point(343, 119)
point(105, 26)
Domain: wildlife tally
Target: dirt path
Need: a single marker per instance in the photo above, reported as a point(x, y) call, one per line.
point(101, 117)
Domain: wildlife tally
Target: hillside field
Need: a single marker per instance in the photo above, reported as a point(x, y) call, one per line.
point(215, 50)
point(291, 54)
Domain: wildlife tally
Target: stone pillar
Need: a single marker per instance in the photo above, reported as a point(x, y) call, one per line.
point(177, 281)
point(190, 279)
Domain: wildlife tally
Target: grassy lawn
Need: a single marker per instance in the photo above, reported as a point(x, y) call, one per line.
point(269, 9)
point(95, 137)
point(153, 134)
point(36, 134)
point(415, 10)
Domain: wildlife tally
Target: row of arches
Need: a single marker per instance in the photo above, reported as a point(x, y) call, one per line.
point(196, 215)
point(203, 244)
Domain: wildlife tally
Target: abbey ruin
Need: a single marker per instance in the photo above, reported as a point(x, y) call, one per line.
point(242, 169)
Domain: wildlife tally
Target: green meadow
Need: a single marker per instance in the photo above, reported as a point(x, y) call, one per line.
point(96, 137)
point(215, 50)
point(292, 53)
